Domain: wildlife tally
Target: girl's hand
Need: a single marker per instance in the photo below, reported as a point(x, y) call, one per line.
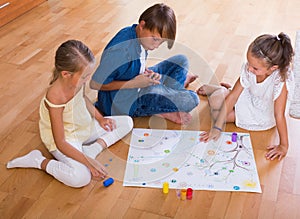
point(98, 174)
point(213, 134)
point(276, 151)
point(107, 124)
point(98, 171)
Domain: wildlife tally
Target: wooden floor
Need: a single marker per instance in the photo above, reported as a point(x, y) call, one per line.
point(214, 34)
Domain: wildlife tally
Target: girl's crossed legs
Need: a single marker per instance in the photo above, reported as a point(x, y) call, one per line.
point(67, 170)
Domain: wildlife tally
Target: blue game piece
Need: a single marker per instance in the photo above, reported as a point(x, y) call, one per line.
point(108, 182)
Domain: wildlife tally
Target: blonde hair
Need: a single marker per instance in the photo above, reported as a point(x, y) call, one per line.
point(71, 56)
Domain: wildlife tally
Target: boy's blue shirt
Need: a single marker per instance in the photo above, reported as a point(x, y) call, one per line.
point(120, 61)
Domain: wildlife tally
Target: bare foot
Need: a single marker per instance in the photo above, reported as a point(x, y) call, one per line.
point(208, 89)
point(177, 117)
point(226, 85)
point(189, 79)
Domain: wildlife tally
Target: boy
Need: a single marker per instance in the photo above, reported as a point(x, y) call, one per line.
point(126, 86)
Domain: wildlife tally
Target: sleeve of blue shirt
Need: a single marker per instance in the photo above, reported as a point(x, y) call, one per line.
point(113, 65)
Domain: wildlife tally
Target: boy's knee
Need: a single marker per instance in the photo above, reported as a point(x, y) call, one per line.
point(195, 98)
point(181, 60)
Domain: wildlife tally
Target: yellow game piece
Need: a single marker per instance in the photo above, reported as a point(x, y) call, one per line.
point(165, 187)
point(183, 194)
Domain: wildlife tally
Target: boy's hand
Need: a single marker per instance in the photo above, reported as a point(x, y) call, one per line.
point(213, 134)
point(153, 75)
point(143, 80)
point(276, 151)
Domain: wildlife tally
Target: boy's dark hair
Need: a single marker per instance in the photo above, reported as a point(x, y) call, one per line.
point(161, 18)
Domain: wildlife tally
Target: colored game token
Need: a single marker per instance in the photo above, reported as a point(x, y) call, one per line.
point(189, 194)
point(165, 187)
point(108, 182)
point(234, 137)
point(183, 194)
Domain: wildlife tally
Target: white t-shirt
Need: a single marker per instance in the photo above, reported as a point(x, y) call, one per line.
point(254, 109)
point(143, 60)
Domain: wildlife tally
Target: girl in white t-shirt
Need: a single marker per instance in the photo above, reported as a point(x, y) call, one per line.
point(258, 98)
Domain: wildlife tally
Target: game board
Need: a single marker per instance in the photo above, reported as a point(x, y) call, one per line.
point(179, 158)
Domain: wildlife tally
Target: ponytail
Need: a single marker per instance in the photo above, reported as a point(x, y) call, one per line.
point(275, 50)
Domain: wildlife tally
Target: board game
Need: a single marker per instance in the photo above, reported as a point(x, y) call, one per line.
point(179, 158)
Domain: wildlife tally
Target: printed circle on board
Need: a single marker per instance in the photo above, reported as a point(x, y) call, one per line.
point(211, 152)
point(250, 184)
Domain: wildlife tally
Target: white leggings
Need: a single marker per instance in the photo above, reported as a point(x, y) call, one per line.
point(74, 173)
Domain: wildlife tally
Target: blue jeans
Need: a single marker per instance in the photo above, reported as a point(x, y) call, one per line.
point(170, 95)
